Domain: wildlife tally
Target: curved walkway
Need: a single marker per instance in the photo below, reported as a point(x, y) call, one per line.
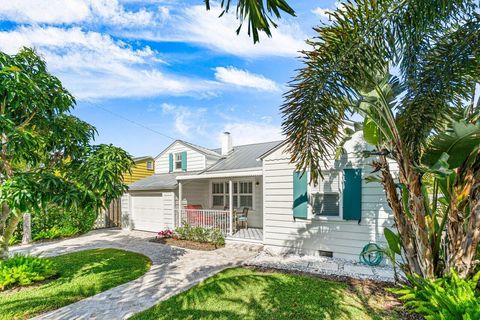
point(173, 270)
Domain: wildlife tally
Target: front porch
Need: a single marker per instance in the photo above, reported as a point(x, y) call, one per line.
point(252, 235)
point(230, 204)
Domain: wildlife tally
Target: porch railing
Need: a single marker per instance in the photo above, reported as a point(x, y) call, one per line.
point(204, 218)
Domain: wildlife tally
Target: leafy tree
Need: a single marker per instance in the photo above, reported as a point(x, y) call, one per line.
point(45, 152)
point(423, 120)
point(258, 13)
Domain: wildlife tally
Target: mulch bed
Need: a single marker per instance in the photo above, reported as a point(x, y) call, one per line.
point(365, 286)
point(187, 244)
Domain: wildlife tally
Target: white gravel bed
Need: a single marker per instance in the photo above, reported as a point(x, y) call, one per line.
point(322, 266)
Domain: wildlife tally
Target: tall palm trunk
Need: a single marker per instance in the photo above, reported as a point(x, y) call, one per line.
point(417, 209)
point(464, 221)
point(400, 217)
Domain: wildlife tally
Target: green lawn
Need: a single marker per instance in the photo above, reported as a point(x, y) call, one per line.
point(82, 274)
point(246, 294)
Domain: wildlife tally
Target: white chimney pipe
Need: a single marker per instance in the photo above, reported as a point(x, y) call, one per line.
point(226, 143)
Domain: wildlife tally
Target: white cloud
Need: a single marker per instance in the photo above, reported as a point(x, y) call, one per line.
point(93, 65)
point(196, 25)
point(252, 132)
point(243, 78)
point(324, 14)
point(109, 12)
point(189, 122)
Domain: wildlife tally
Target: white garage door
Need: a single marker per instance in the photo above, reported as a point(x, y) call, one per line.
point(148, 213)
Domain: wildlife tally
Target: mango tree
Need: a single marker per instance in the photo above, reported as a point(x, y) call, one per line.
point(46, 156)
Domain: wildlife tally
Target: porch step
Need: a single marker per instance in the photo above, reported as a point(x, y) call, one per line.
point(243, 245)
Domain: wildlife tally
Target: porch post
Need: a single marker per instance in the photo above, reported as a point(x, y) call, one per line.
point(180, 197)
point(230, 204)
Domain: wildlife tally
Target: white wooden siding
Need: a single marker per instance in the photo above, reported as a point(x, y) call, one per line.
point(344, 238)
point(196, 161)
point(210, 161)
point(196, 192)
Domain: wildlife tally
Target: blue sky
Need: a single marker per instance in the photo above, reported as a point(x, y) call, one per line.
point(140, 69)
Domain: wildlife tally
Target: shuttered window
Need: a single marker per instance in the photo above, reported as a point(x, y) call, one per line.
point(325, 196)
point(178, 161)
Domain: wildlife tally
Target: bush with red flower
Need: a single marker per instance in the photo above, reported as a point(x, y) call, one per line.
point(167, 233)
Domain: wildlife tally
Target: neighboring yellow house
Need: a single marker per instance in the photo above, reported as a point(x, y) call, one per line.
point(144, 167)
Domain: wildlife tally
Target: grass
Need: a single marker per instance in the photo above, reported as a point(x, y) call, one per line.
point(82, 274)
point(247, 294)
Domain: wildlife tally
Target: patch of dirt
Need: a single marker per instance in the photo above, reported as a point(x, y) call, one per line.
point(375, 291)
point(187, 244)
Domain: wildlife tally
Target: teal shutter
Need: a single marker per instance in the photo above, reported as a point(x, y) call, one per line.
point(184, 161)
point(170, 162)
point(300, 196)
point(352, 194)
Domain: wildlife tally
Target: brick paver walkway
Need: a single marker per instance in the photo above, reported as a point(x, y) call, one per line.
point(173, 270)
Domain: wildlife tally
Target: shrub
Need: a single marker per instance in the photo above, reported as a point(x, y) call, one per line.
point(55, 222)
point(56, 232)
point(167, 233)
point(445, 298)
point(217, 238)
point(20, 270)
point(199, 234)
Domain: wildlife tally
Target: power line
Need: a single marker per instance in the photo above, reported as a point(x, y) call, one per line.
point(131, 121)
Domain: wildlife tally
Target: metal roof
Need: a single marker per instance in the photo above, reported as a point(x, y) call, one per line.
point(205, 151)
point(242, 157)
point(159, 181)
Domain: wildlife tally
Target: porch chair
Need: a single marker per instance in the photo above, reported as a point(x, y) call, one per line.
point(243, 217)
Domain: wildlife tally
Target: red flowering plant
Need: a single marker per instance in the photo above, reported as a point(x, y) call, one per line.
point(167, 233)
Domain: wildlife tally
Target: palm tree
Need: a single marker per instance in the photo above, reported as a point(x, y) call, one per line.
point(259, 14)
point(424, 118)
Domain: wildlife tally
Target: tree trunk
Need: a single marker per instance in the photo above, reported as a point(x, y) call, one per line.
point(417, 208)
point(27, 229)
point(9, 228)
point(401, 222)
point(464, 221)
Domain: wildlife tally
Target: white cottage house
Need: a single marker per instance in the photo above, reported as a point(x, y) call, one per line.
point(285, 213)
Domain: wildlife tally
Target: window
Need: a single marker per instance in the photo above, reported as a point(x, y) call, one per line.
point(246, 194)
point(178, 161)
point(325, 197)
point(218, 195)
point(242, 194)
point(149, 165)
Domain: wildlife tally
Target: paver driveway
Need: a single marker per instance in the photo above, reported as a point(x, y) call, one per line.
point(173, 271)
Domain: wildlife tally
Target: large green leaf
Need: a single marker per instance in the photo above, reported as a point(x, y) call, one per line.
point(458, 142)
point(371, 132)
point(393, 241)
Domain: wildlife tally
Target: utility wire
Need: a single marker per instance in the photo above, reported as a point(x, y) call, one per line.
point(131, 121)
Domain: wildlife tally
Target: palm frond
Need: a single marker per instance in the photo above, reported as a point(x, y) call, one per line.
point(343, 59)
point(444, 81)
point(259, 14)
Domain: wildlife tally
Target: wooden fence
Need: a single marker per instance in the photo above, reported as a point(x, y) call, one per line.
point(110, 218)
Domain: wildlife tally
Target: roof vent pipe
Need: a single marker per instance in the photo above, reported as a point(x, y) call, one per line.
point(226, 143)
